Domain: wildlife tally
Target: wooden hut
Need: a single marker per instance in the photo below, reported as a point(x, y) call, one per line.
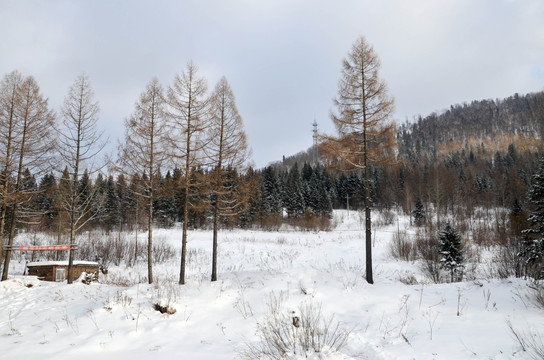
point(58, 270)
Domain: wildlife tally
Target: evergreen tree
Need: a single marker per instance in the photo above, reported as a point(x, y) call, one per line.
point(45, 200)
point(451, 250)
point(419, 212)
point(251, 181)
point(294, 199)
point(306, 172)
point(112, 214)
point(125, 200)
point(533, 250)
point(518, 218)
point(270, 189)
point(312, 194)
point(324, 202)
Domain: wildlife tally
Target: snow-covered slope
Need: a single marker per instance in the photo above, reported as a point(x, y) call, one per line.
point(115, 318)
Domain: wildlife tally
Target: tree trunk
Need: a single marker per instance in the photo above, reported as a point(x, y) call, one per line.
point(368, 226)
point(17, 191)
point(5, 185)
point(186, 202)
point(184, 240)
point(150, 238)
point(214, 246)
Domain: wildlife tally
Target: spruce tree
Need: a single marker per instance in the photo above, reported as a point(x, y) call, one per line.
point(271, 203)
point(112, 215)
point(451, 250)
point(294, 199)
point(419, 213)
point(533, 249)
point(45, 200)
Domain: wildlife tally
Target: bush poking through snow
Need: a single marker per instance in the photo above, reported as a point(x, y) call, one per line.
point(88, 278)
point(530, 341)
point(537, 289)
point(287, 334)
point(401, 247)
point(164, 309)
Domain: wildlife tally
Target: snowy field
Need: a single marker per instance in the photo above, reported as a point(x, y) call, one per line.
point(265, 277)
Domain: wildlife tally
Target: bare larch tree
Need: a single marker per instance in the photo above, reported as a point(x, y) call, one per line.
point(143, 152)
point(32, 145)
point(363, 121)
point(80, 141)
point(226, 151)
point(186, 122)
point(9, 128)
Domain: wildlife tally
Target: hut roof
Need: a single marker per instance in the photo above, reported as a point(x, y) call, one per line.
point(61, 263)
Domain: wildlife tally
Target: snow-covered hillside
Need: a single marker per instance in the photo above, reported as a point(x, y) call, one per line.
point(264, 277)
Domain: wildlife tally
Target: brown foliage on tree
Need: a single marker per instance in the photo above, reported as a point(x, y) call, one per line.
point(366, 134)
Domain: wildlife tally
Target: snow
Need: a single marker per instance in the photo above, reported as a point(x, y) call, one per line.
point(115, 319)
point(60, 263)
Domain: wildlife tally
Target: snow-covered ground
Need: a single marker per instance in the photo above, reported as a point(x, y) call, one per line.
point(115, 318)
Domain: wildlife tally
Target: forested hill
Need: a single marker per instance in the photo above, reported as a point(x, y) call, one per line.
point(495, 124)
point(487, 126)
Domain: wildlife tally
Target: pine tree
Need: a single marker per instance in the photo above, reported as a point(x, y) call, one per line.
point(533, 249)
point(451, 250)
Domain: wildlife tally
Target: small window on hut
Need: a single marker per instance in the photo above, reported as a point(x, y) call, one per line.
point(60, 274)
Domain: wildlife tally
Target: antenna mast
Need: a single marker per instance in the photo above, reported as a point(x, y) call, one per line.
point(316, 156)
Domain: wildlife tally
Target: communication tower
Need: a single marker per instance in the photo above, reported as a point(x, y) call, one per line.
point(316, 155)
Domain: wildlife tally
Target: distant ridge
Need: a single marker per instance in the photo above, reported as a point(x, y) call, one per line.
point(492, 124)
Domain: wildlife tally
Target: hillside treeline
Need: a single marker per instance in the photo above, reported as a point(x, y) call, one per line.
point(459, 183)
point(477, 155)
point(486, 123)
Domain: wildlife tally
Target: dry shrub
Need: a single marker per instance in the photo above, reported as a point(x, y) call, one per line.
point(537, 289)
point(401, 247)
point(117, 248)
point(505, 260)
point(428, 251)
point(311, 221)
point(408, 279)
point(384, 218)
point(531, 342)
point(271, 222)
point(303, 333)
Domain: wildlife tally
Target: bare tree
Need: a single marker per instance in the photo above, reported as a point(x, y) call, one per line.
point(143, 152)
point(80, 141)
point(33, 145)
point(186, 122)
point(9, 126)
point(227, 150)
point(366, 133)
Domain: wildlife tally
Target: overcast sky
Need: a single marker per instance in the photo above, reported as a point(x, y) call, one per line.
point(281, 57)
